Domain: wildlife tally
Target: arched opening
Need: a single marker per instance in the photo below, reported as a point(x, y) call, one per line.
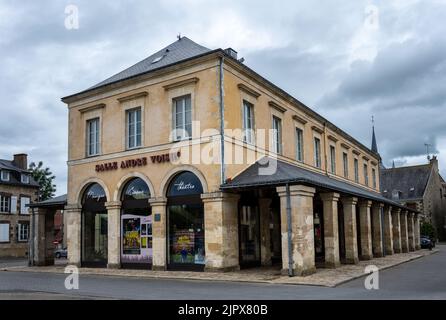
point(185, 223)
point(319, 239)
point(136, 225)
point(94, 227)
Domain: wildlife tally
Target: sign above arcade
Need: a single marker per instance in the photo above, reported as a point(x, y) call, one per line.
point(137, 162)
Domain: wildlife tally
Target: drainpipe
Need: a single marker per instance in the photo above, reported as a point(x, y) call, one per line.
point(222, 124)
point(31, 240)
point(325, 148)
point(290, 229)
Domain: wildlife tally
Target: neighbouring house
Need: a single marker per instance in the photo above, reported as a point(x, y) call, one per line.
point(17, 190)
point(420, 187)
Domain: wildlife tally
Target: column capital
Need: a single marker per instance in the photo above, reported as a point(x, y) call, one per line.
point(412, 214)
point(377, 204)
point(396, 210)
point(219, 196)
point(365, 203)
point(388, 207)
point(73, 207)
point(158, 201)
point(404, 212)
point(349, 200)
point(330, 196)
point(113, 205)
point(297, 190)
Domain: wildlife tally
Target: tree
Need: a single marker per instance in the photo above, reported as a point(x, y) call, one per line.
point(427, 229)
point(44, 177)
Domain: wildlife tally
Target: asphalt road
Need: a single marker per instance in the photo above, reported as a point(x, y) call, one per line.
point(419, 279)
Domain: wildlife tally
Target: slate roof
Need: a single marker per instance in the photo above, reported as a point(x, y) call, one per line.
point(288, 173)
point(178, 51)
point(60, 201)
point(14, 177)
point(404, 179)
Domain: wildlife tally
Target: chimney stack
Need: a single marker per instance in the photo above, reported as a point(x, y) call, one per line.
point(21, 161)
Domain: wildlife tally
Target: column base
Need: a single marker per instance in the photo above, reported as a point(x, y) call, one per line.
point(366, 257)
point(411, 249)
point(300, 272)
point(418, 248)
point(332, 265)
point(404, 250)
point(389, 252)
point(378, 255)
point(113, 266)
point(351, 260)
point(159, 268)
point(223, 269)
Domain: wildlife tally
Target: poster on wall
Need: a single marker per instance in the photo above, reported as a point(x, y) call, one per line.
point(136, 239)
point(183, 246)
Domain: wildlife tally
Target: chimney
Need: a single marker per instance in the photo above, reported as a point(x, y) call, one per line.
point(231, 52)
point(21, 161)
point(434, 162)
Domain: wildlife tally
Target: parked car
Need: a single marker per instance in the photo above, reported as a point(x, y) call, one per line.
point(427, 243)
point(61, 253)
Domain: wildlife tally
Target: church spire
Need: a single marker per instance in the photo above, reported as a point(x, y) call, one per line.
point(374, 145)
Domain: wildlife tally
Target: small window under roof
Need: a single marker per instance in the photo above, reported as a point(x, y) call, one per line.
point(157, 59)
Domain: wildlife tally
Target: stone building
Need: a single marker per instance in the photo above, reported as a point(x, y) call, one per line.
point(17, 190)
point(419, 187)
point(191, 160)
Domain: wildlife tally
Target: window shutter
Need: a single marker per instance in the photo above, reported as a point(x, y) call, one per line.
point(4, 232)
point(14, 204)
point(23, 203)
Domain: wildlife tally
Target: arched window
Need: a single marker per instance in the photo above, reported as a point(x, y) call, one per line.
point(185, 184)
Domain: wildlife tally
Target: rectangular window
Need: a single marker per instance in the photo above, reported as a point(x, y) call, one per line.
point(14, 204)
point(25, 178)
point(277, 135)
point(317, 152)
point(133, 128)
point(24, 201)
point(374, 178)
point(248, 122)
point(356, 165)
point(5, 175)
point(299, 145)
point(23, 232)
point(4, 232)
point(182, 118)
point(333, 159)
point(345, 163)
point(93, 137)
point(5, 204)
point(366, 175)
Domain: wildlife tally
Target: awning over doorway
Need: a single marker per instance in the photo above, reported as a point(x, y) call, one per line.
point(287, 173)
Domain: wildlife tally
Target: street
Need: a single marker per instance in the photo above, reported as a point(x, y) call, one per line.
point(419, 279)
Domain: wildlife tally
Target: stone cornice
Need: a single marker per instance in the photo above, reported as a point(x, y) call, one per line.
point(91, 108)
point(248, 90)
point(141, 94)
point(276, 106)
point(181, 83)
point(299, 119)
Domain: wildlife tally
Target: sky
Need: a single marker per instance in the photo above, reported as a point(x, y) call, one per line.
point(347, 60)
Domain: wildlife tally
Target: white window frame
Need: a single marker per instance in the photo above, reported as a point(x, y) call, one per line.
point(5, 175)
point(333, 159)
point(5, 204)
point(24, 178)
point(345, 163)
point(248, 122)
point(317, 152)
point(299, 144)
point(22, 232)
point(356, 169)
point(93, 136)
point(277, 134)
point(133, 125)
point(4, 239)
point(183, 130)
point(23, 202)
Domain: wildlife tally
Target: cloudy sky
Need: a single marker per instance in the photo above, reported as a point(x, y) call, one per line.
point(348, 60)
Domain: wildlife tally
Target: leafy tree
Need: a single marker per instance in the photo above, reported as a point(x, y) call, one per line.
point(427, 229)
point(44, 177)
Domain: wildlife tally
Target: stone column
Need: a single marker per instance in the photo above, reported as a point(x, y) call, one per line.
point(302, 229)
point(331, 231)
point(396, 230)
point(411, 230)
point(159, 234)
point(114, 234)
point(366, 229)
point(351, 240)
point(417, 232)
point(265, 234)
point(74, 241)
point(404, 232)
point(221, 231)
point(39, 245)
point(388, 232)
point(377, 237)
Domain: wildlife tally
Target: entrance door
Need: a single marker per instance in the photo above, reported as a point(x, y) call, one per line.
point(249, 235)
point(94, 234)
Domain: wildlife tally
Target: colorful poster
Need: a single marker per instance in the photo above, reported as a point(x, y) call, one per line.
point(136, 239)
point(183, 246)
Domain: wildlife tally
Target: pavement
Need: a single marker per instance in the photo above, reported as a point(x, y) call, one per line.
point(420, 278)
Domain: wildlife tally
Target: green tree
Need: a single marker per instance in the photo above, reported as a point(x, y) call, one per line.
point(427, 229)
point(44, 177)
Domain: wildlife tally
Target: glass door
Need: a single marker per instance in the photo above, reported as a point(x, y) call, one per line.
point(249, 223)
point(94, 236)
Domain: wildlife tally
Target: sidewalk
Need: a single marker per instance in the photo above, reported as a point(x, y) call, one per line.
point(323, 277)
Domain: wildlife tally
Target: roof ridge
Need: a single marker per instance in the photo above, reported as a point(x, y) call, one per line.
point(407, 167)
